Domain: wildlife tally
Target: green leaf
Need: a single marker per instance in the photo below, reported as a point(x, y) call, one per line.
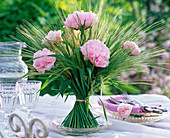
point(33, 59)
point(90, 32)
point(64, 85)
point(108, 41)
point(47, 82)
point(50, 79)
point(117, 85)
point(103, 109)
point(66, 98)
point(27, 74)
point(89, 71)
point(144, 71)
point(82, 34)
point(97, 117)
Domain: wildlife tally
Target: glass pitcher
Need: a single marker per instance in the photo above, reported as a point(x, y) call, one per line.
point(12, 67)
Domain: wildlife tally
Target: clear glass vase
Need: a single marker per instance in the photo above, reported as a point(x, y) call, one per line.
point(12, 67)
point(56, 126)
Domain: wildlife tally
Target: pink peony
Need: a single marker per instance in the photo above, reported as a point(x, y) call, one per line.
point(168, 25)
point(165, 55)
point(45, 62)
point(96, 50)
point(163, 31)
point(54, 36)
point(135, 49)
point(167, 65)
point(167, 78)
point(157, 90)
point(161, 81)
point(155, 34)
point(151, 45)
point(77, 19)
point(124, 110)
point(155, 85)
point(166, 44)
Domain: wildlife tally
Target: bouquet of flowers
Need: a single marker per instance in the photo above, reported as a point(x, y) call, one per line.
point(86, 53)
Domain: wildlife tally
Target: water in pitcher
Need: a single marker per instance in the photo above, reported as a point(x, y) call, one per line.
point(12, 67)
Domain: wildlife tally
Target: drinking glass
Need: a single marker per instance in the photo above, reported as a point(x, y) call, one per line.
point(29, 95)
point(8, 98)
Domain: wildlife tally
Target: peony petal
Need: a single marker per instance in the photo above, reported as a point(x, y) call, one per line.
point(53, 36)
point(132, 46)
point(77, 19)
point(124, 110)
point(98, 51)
point(43, 63)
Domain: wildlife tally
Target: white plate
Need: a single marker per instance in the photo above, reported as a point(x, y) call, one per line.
point(139, 120)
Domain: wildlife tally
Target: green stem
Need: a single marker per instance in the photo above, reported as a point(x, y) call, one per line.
point(80, 117)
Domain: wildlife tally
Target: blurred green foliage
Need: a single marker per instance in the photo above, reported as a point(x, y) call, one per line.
point(14, 12)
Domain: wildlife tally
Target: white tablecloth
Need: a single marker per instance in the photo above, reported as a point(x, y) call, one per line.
point(49, 108)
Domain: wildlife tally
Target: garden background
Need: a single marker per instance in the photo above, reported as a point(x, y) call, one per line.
point(14, 12)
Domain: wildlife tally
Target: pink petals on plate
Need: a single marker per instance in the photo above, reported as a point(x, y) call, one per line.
point(124, 110)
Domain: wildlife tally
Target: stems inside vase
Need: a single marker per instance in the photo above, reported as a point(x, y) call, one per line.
point(80, 117)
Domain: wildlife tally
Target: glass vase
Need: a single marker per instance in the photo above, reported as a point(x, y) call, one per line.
point(80, 121)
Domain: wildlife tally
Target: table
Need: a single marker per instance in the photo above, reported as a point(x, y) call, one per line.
point(50, 107)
